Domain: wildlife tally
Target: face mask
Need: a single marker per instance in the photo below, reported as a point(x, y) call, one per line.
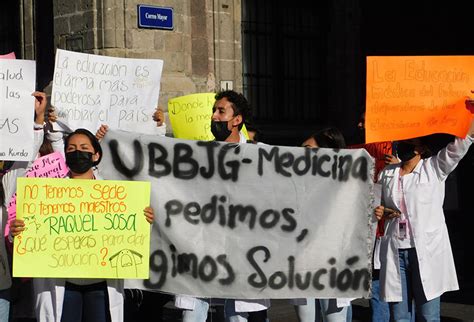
point(405, 151)
point(219, 130)
point(79, 161)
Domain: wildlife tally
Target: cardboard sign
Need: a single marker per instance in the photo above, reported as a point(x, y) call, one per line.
point(413, 96)
point(17, 83)
point(52, 165)
point(90, 90)
point(82, 228)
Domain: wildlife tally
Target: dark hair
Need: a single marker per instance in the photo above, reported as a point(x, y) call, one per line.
point(427, 150)
point(239, 104)
point(46, 147)
point(435, 142)
point(431, 143)
point(94, 142)
point(329, 137)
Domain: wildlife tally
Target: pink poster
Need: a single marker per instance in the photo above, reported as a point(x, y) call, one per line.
point(8, 56)
point(49, 166)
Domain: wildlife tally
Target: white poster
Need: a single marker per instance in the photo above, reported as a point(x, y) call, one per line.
point(251, 221)
point(90, 90)
point(17, 109)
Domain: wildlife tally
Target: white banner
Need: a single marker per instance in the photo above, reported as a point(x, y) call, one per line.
point(90, 90)
point(17, 109)
point(251, 221)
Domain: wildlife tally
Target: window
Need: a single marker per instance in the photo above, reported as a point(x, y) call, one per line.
point(284, 47)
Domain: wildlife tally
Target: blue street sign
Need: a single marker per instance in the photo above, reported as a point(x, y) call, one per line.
point(155, 17)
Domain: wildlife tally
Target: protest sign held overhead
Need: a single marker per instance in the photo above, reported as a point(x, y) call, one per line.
point(17, 107)
point(251, 221)
point(90, 90)
point(82, 229)
point(412, 96)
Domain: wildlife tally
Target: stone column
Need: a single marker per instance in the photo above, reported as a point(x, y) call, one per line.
point(227, 42)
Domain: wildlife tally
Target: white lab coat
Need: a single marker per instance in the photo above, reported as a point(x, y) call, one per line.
point(424, 197)
point(188, 302)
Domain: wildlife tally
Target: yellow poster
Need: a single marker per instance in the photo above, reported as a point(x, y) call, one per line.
point(190, 116)
point(82, 229)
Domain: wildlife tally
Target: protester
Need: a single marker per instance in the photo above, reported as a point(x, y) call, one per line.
point(140, 305)
point(416, 258)
point(229, 114)
point(327, 310)
point(10, 172)
point(80, 299)
point(5, 278)
point(383, 153)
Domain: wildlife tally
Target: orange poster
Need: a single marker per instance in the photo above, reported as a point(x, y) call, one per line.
point(412, 96)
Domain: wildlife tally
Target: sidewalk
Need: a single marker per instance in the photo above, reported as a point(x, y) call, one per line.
point(283, 311)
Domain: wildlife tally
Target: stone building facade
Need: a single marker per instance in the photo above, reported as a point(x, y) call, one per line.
point(292, 60)
point(202, 49)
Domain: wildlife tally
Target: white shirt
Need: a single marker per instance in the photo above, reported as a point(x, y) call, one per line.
point(407, 241)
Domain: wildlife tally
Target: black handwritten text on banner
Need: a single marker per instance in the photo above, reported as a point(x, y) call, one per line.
point(251, 221)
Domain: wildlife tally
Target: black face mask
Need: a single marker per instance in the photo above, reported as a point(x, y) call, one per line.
point(405, 151)
point(79, 161)
point(219, 130)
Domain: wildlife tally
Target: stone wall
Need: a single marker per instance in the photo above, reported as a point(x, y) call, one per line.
point(27, 29)
point(203, 49)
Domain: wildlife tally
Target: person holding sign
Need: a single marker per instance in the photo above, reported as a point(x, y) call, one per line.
point(10, 171)
point(327, 310)
point(416, 258)
point(79, 299)
point(229, 113)
point(140, 304)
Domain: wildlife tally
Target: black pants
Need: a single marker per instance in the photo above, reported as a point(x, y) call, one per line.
point(142, 306)
point(86, 303)
point(259, 316)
